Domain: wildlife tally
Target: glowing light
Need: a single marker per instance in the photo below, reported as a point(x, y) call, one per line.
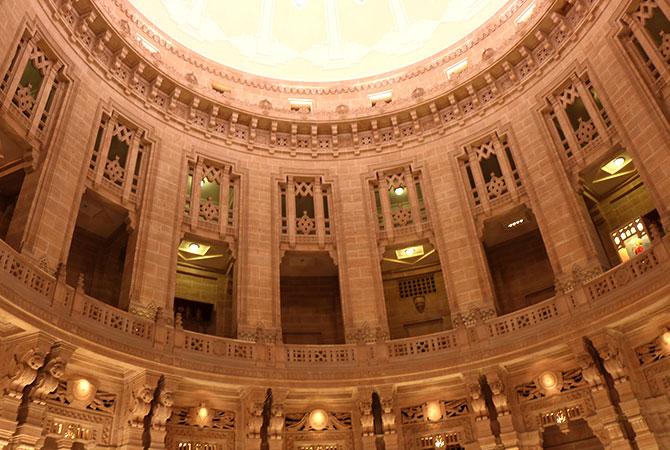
point(82, 389)
point(615, 165)
point(549, 380)
point(525, 14)
point(194, 247)
point(560, 417)
point(516, 223)
point(665, 339)
point(433, 411)
point(439, 442)
point(399, 191)
point(203, 412)
point(409, 252)
point(318, 419)
point(380, 97)
point(300, 104)
point(457, 68)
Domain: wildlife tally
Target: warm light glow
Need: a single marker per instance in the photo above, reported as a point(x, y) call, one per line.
point(560, 417)
point(516, 223)
point(194, 248)
point(318, 40)
point(616, 164)
point(457, 68)
point(549, 380)
point(318, 419)
point(409, 252)
point(439, 442)
point(399, 191)
point(665, 339)
point(202, 412)
point(433, 411)
point(525, 14)
point(300, 103)
point(82, 389)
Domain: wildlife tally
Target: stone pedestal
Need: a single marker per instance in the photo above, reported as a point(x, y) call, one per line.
point(391, 441)
point(29, 432)
point(132, 439)
point(369, 442)
point(8, 408)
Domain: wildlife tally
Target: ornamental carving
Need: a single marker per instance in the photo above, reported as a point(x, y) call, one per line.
point(140, 404)
point(21, 372)
point(451, 408)
point(113, 170)
point(305, 224)
point(162, 410)
point(365, 334)
point(367, 420)
point(48, 377)
point(295, 422)
point(496, 187)
point(402, 216)
point(477, 402)
point(209, 212)
point(586, 132)
point(23, 98)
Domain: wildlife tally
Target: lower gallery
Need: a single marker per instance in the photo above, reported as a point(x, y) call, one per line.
point(334, 225)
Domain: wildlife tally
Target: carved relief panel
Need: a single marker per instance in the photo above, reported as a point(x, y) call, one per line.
point(34, 84)
point(398, 199)
point(119, 158)
point(305, 211)
point(577, 118)
point(212, 197)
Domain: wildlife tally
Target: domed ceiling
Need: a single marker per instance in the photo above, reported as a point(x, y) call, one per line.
point(318, 40)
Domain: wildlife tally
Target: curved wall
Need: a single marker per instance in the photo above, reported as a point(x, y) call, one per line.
point(622, 312)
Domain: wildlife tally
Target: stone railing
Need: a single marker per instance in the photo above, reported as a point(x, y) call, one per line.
point(417, 346)
point(84, 315)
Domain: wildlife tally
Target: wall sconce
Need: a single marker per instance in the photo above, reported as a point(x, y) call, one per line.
point(318, 419)
point(550, 381)
point(432, 411)
point(80, 391)
point(664, 339)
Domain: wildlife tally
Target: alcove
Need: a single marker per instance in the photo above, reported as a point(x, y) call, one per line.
point(205, 286)
point(101, 250)
point(414, 290)
point(311, 311)
point(518, 262)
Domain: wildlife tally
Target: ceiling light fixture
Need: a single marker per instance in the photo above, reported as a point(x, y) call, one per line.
point(399, 191)
point(194, 247)
point(516, 223)
point(409, 252)
point(318, 419)
point(616, 164)
point(433, 411)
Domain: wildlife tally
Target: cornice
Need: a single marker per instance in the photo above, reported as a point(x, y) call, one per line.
point(333, 134)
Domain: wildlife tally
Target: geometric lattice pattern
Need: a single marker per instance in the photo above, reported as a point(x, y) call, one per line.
point(413, 287)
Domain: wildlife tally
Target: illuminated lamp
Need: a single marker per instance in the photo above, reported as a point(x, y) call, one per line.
point(433, 411)
point(318, 419)
point(399, 191)
point(548, 381)
point(82, 388)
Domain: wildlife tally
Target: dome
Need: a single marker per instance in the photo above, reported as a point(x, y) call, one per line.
point(318, 40)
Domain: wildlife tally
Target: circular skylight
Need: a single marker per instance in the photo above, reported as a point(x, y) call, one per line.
point(317, 40)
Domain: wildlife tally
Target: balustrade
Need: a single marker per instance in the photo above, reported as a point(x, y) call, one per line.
point(55, 298)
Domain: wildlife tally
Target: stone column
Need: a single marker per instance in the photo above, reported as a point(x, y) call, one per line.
point(505, 167)
point(43, 96)
point(103, 150)
point(413, 201)
point(224, 191)
point(386, 208)
point(290, 211)
point(361, 290)
point(131, 163)
point(561, 216)
point(195, 194)
point(19, 67)
point(317, 192)
point(258, 297)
